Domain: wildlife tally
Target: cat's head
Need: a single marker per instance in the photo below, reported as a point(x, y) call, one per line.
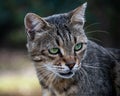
point(57, 44)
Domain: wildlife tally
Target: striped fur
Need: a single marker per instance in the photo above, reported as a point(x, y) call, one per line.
point(86, 72)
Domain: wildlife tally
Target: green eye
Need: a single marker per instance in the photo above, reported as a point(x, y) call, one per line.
point(78, 46)
point(54, 51)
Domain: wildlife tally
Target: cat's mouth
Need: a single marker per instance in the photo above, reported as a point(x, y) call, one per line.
point(66, 75)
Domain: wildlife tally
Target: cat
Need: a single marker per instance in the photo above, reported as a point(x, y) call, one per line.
point(66, 62)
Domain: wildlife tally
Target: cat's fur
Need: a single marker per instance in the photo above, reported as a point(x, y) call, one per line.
point(94, 70)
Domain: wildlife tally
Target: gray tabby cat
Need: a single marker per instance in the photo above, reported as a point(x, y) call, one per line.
point(67, 63)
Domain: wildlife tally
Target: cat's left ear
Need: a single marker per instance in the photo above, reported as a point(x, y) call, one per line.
point(78, 15)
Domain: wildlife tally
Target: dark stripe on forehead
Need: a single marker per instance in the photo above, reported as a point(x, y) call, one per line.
point(57, 41)
point(64, 33)
point(75, 39)
point(59, 34)
point(69, 32)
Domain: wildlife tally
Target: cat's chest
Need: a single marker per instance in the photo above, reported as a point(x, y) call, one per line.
point(87, 85)
point(72, 91)
point(65, 89)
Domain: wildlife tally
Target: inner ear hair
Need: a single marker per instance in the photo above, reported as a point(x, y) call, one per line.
point(34, 24)
point(80, 22)
point(77, 15)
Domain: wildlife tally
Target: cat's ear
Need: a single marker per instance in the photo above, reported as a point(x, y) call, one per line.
point(78, 15)
point(34, 23)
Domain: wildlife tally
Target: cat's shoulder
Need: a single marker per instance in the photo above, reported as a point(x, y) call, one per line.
point(109, 54)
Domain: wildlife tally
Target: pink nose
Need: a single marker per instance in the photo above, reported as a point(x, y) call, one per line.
point(70, 65)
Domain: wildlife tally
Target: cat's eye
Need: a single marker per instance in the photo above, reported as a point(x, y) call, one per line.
point(78, 46)
point(54, 51)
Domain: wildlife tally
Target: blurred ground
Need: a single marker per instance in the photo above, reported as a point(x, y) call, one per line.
point(17, 74)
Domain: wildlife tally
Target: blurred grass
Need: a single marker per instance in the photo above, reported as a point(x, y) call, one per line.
point(17, 75)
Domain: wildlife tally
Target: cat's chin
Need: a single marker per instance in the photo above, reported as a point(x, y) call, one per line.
point(66, 75)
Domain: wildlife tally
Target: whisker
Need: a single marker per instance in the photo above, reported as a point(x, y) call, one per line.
point(91, 25)
point(49, 76)
point(42, 71)
point(97, 31)
point(40, 66)
point(88, 66)
point(86, 75)
point(40, 77)
point(95, 39)
point(46, 75)
point(43, 74)
point(53, 78)
point(79, 74)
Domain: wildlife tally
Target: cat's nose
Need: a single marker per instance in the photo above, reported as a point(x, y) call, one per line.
point(70, 65)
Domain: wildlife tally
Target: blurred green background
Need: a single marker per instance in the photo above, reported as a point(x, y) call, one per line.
point(16, 71)
point(103, 14)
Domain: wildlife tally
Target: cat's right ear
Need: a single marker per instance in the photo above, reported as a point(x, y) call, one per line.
point(77, 15)
point(34, 23)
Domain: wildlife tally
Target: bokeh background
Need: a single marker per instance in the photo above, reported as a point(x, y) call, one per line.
point(17, 74)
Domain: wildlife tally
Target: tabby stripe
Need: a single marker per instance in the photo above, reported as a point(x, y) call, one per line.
point(69, 32)
point(75, 39)
point(58, 33)
point(57, 41)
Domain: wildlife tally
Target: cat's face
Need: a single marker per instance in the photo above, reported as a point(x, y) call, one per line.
point(57, 44)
